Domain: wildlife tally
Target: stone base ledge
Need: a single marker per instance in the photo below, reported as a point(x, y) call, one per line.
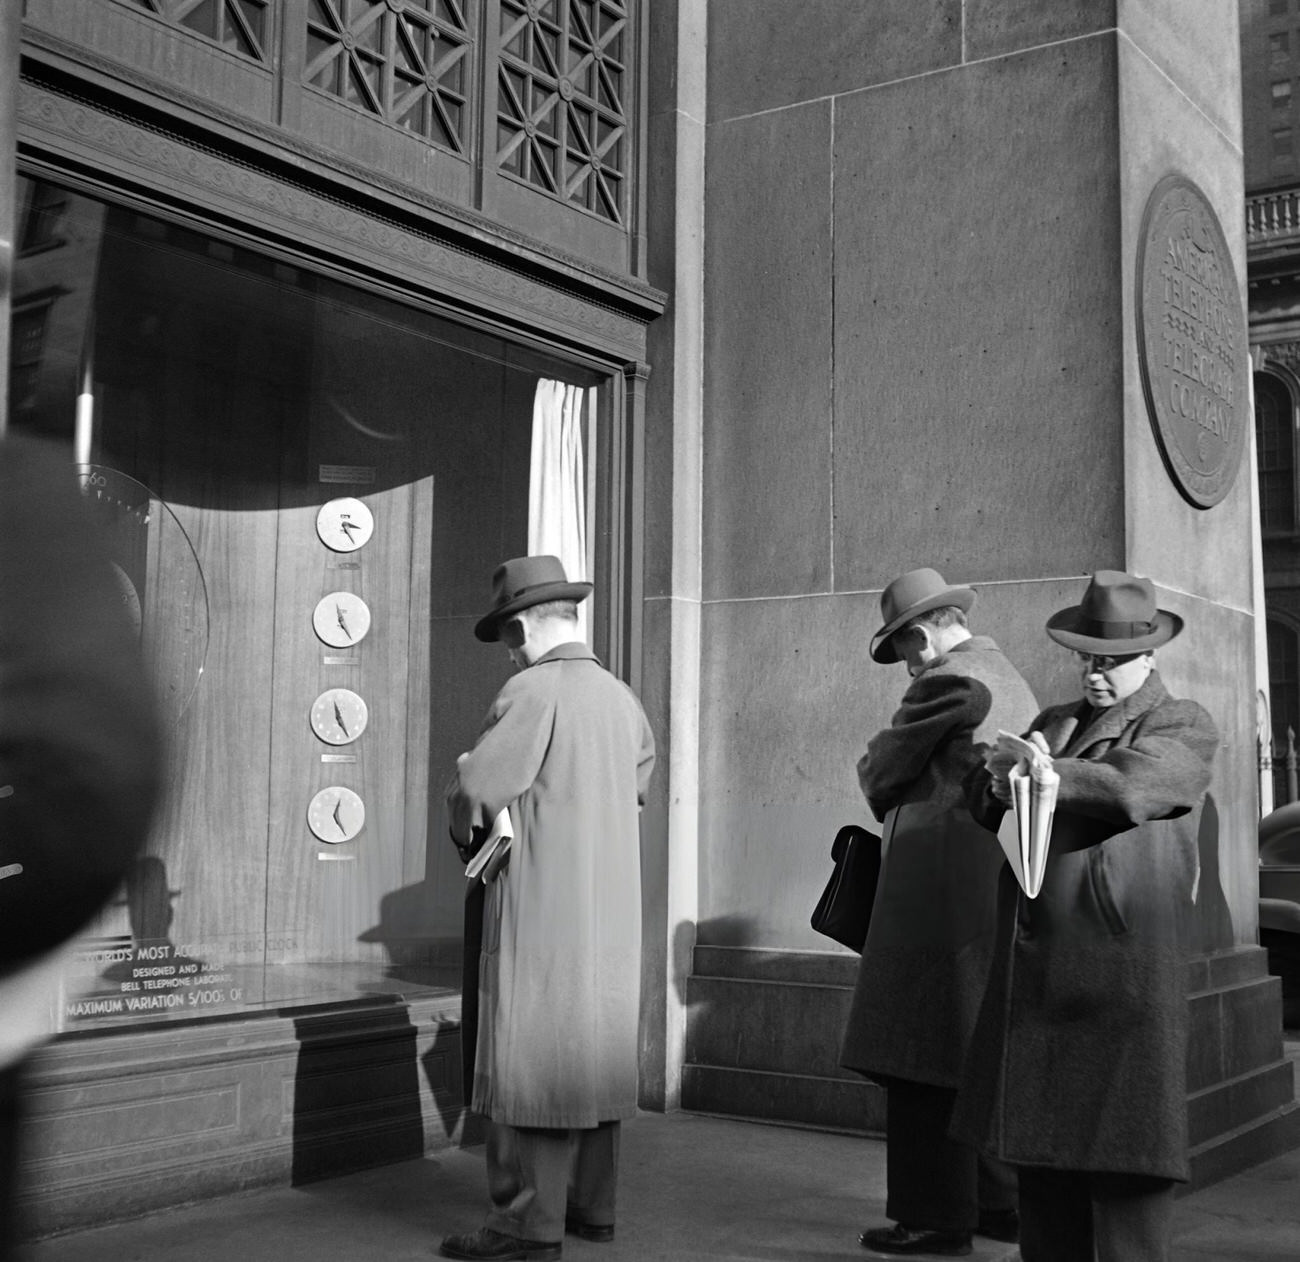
point(124, 1122)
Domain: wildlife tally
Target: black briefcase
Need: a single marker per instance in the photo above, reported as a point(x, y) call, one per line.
point(844, 910)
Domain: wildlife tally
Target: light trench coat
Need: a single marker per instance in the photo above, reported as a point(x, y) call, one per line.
point(567, 747)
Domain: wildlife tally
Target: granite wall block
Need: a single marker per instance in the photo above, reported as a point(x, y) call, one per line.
point(995, 28)
point(977, 320)
point(766, 54)
point(767, 355)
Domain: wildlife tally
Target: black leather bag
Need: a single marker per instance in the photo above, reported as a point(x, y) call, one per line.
point(844, 910)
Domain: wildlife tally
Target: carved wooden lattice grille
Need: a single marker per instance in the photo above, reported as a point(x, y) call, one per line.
point(407, 61)
point(563, 82)
point(239, 25)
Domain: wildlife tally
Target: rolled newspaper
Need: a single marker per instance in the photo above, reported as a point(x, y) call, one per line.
point(1026, 831)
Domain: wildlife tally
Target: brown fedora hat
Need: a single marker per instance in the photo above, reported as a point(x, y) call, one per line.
point(915, 592)
point(1117, 615)
point(521, 583)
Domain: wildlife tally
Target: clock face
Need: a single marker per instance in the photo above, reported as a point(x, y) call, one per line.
point(341, 619)
point(344, 525)
point(336, 814)
point(339, 716)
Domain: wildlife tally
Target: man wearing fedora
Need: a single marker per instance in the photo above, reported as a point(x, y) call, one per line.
point(926, 957)
point(1076, 1074)
point(566, 747)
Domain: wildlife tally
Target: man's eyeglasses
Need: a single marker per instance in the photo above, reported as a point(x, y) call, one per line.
point(1100, 662)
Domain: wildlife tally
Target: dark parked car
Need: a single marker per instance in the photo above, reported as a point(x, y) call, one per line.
point(1279, 903)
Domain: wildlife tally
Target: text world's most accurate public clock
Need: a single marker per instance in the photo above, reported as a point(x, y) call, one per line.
point(344, 525)
point(341, 619)
point(339, 716)
point(336, 814)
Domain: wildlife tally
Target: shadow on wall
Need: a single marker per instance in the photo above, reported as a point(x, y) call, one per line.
point(718, 931)
point(150, 912)
point(420, 946)
point(727, 931)
point(356, 1100)
point(435, 961)
point(1212, 928)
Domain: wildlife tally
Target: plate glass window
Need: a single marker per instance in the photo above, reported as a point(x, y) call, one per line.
point(243, 394)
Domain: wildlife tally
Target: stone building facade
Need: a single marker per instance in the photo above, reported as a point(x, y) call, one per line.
point(844, 296)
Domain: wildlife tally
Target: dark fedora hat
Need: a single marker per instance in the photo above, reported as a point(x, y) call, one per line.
point(521, 583)
point(1117, 615)
point(916, 592)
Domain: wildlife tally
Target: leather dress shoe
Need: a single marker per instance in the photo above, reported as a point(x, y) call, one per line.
point(916, 1240)
point(999, 1224)
point(600, 1233)
point(498, 1247)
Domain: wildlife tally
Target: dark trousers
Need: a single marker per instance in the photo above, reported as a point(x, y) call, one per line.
point(538, 1175)
point(10, 1114)
point(1078, 1216)
point(932, 1181)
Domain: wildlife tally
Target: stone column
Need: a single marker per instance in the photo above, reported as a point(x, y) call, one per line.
point(674, 419)
point(923, 229)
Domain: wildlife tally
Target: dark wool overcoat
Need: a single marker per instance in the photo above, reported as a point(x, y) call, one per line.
point(927, 952)
point(1078, 1059)
point(567, 747)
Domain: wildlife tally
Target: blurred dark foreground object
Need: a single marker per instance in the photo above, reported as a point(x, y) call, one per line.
point(844, 910)
point(79, 734)
point(80, 757)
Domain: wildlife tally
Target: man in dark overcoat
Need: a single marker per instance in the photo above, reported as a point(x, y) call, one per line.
point(567, 749)
point(1076, 1075)
point(926, 957)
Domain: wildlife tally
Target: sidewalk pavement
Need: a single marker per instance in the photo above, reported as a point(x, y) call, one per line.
point(690, 1187)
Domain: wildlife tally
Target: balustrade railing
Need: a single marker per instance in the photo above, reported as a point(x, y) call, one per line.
point(1273, 216)
point(1281, 763)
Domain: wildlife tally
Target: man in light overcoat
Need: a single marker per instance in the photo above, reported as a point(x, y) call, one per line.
point(567, 749)
point(1077, 1074)
point(926, 957)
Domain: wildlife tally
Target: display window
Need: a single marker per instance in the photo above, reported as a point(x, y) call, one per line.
point(307, 486)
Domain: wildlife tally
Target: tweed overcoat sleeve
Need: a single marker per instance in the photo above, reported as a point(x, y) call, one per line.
point(934, 705)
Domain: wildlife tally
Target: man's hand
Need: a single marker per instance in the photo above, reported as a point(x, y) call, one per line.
point(1001, 759)
point(998, 762)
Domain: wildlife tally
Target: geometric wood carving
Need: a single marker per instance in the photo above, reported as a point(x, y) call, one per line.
point(562, 89)
point(404, 61)
point(240, 26)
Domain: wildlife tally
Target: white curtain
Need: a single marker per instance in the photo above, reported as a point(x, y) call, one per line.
point(557, 509)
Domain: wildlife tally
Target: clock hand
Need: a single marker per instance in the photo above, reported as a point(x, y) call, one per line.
point(338, 718)
point(338, 806)
point(347, 527)
point(343, 622)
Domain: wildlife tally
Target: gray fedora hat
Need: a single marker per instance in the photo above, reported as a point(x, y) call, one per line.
point(521, 583)
point(1117, 615)
point(916, 592)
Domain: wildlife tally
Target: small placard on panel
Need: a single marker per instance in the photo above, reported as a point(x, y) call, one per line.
point(338, 758)
point(347, 473)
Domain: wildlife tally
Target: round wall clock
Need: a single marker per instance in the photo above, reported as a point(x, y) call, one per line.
point(338, 716)
point(336, 814)
point(344, 525)
point(341, 619)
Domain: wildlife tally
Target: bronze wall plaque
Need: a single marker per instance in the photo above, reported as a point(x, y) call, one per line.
point(1192, 343)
